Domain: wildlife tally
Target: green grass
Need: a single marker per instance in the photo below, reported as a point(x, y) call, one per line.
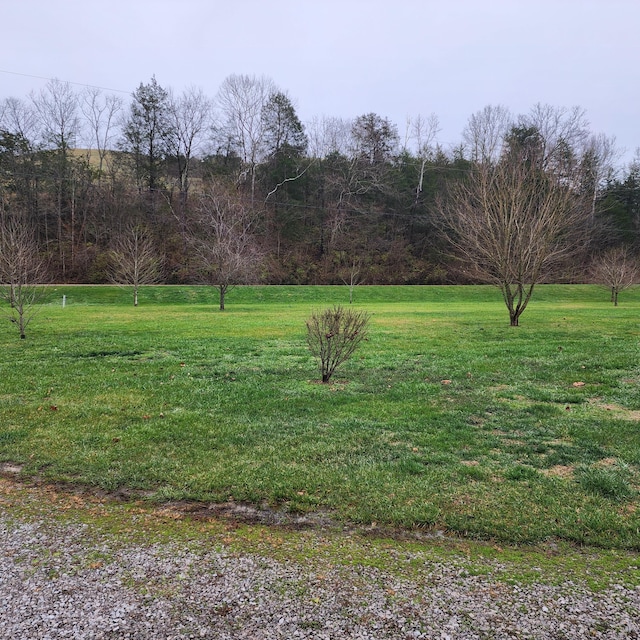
point(447, 418)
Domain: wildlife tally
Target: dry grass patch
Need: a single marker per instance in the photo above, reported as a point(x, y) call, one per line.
point(559, 471)
point(620, 411)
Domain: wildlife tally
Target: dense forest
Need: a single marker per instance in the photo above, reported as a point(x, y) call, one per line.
point(235, 188)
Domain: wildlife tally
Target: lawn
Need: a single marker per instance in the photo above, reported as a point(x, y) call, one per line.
point(447, 418)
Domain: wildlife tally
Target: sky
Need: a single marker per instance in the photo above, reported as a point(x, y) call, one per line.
point(396, 58)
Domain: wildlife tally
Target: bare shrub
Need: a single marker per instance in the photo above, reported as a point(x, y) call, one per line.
point(333, 335)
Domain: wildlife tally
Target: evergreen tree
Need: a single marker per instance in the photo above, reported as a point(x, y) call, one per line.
point(147, 133)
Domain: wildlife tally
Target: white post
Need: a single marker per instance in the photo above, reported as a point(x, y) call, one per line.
point(64, 301)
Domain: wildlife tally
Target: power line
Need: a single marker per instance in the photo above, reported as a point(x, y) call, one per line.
point(81, 84)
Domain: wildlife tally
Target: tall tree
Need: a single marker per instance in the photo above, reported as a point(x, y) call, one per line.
point(101, 112)
point(597, 167)
point(56, 107)
point(563, 134)
point(146, 134)
point(283, 131)
point(190, 116)
point(375, 139)
point(485, 132)
point(329, 136)
point(241, 100)
point(423, 132)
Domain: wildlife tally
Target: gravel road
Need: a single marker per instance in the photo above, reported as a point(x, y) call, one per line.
point(61, 580)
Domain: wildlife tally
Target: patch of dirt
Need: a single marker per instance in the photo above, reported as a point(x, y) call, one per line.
point(559, 471)
point(10, 469)
point(620, 411)
point(233, 514)
point(248, 513)
point(606, 462)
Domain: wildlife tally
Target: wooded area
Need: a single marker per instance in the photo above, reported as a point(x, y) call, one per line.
point(234, 188)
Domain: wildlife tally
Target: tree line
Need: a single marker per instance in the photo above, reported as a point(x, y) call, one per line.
point(186, 188)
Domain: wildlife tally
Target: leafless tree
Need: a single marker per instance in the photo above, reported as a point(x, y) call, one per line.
point(329, 135)
point(514, 225)
point(353, 277)
point(57, 109)
point(563, 134)
point(20, 118)
point(485, 132)
point(333, 335)
point(134, 260)
point(22, 271)
point(598, 160)
point(101, 112)
point(241, 100)
point(190, 115)
point(617, 269)
point(225, 244)
point(423, 132)
point(19, 125)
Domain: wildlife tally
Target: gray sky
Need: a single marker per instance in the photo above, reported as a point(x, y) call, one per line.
point(396, 58)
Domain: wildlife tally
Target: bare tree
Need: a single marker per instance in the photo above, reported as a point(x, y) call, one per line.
point(134, 260)
point(598, 158)
point(241, 100)
point(226, 248)
point(423, 133)
point(514, 225)
point(333, 335)
point(101, 112)
point(18, 136)
point(563, 133)
point(57, 109)
point(190, 115)
point(352, 277)
point(20, 118)
point(485, 133)
point(329, 135)
point(22, 271)
point(617, 269)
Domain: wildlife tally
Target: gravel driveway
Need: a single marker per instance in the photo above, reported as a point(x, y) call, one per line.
point(59, 579)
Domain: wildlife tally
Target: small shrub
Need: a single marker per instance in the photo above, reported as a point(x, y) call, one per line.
point(333, 335)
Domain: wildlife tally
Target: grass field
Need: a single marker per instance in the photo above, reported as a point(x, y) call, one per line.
point(447, 418)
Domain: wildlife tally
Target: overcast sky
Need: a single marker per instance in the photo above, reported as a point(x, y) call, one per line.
point(396, 58)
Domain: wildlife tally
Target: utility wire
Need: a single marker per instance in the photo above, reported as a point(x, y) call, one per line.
point(81, 84)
